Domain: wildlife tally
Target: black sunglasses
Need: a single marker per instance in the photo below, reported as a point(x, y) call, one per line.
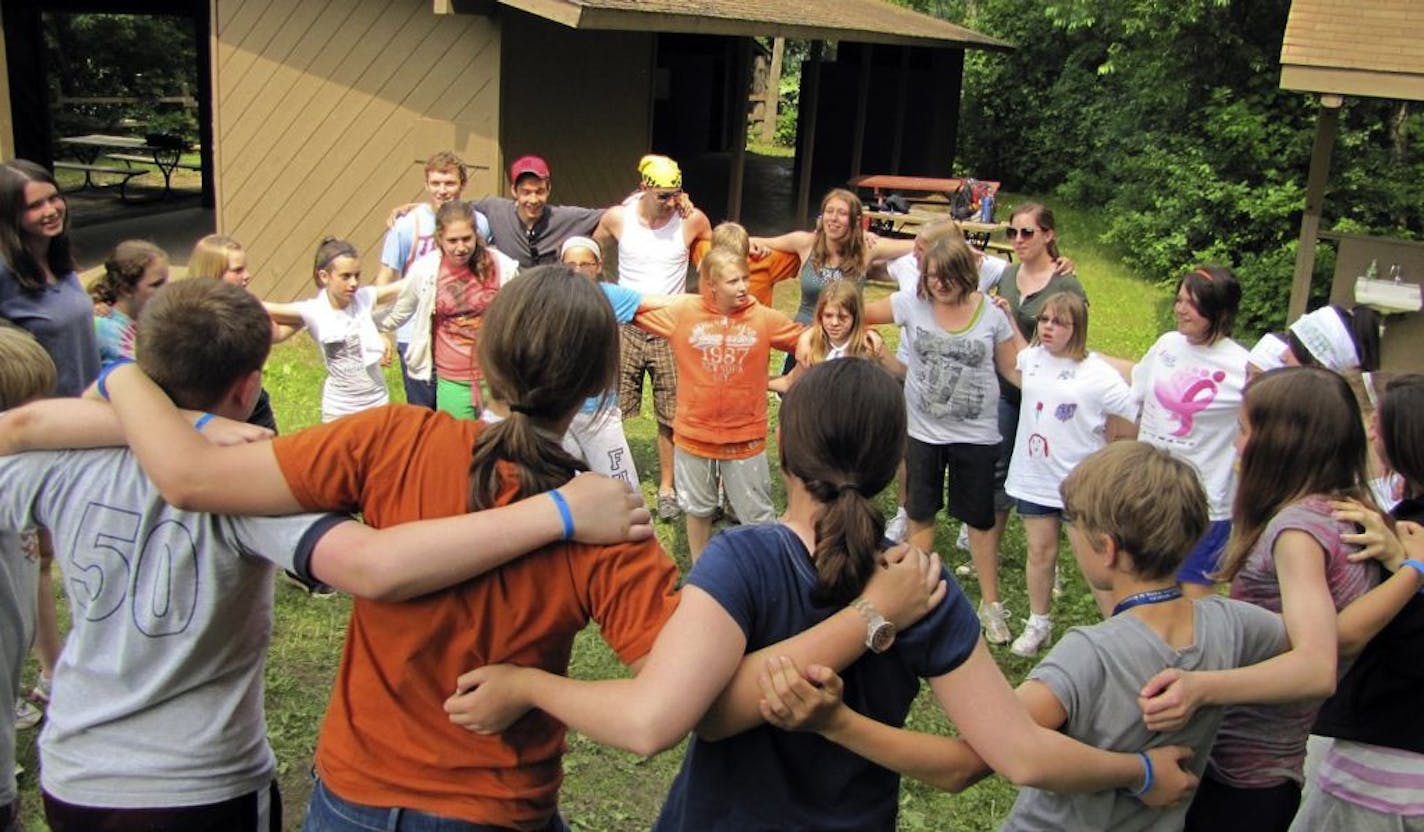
point(1014, 233)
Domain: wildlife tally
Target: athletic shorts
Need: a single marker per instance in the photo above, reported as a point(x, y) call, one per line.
point(969, 489)
point(1202, 561)
point(746, 481)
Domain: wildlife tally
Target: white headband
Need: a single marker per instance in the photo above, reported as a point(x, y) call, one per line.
point(581, 242)
point(1269, 352)
point(1324, 334)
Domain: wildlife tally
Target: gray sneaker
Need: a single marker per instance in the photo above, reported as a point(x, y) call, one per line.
point(667, 507)
point(996, 625)
point(27, 716)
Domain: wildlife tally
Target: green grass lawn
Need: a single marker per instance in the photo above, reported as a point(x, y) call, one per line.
point(613, 790)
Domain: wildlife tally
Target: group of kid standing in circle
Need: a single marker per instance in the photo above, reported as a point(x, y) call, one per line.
point(794, 647)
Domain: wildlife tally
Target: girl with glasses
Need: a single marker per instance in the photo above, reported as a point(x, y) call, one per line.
point(1069, 394)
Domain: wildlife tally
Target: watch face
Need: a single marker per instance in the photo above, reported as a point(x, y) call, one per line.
point(882, 636)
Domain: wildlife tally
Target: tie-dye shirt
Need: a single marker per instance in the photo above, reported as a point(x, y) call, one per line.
point(1259, 746)
point(1190, 396)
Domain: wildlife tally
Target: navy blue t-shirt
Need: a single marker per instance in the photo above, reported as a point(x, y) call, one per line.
point(767, 778)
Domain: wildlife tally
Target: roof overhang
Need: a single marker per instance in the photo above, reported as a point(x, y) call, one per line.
point(1361, 48)
point(857, 21)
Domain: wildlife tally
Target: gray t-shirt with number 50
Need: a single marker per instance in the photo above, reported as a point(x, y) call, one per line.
point(157, 698)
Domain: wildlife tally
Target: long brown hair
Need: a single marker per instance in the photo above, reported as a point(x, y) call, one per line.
point(14, 176)
point(846, 295)
point(1305, 438)
point(549, 342)
point(1401, 430)
point(844, 455)
point(852, 264)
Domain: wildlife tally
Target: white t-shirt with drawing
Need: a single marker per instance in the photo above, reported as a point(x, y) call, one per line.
point(1063, 419)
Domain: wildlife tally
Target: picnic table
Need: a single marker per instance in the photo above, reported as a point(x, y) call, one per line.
point(88, 149)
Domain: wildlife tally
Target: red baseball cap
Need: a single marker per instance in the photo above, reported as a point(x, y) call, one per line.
point(527, 165)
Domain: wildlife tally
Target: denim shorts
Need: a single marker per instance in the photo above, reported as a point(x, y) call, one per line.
point(1027, 509)
point(328, 812)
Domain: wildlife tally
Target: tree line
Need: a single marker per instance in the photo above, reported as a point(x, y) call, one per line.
point(1168, 118)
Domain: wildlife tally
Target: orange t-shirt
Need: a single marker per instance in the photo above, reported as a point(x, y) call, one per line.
point(386, 740)
point(763, 274)
point(721, 372)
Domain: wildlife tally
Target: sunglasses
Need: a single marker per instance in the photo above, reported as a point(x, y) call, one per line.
point(667, 195)
point(1015, 233)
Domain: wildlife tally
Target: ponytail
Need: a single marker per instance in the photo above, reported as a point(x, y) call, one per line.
point(123, 269)
point(844, 455)
point(328, 252)
point(849, 529)
point(549, 342)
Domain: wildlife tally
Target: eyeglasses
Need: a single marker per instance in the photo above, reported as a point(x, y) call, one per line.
point(667, 195)
point(1015, 233)
point(1044, 319)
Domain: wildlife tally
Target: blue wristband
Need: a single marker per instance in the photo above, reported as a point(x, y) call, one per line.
point(1147, 778)
point(564, 513)
point(104, 374)
point(1417, 566)
point(202, 421)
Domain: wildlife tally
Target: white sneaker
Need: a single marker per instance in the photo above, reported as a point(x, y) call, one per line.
point(962, 541)
point(996, 627)
point(26, 715)
point(966, 570)
point(899, 526)
point(1031, 640)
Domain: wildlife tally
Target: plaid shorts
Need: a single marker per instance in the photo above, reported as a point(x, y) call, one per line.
point(642, 351)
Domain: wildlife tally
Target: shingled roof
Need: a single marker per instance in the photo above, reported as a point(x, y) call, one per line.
point(861, 21)
point(1369, 48)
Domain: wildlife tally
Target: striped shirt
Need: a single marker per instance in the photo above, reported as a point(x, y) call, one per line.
point(1386, 780)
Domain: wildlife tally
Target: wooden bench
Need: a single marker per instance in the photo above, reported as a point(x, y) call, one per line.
point(148, 160)
point(125, 175)
point(166, 161)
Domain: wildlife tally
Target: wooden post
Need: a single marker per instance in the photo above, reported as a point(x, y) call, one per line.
point(862, 103)
point(902, 102)
point(1325, 128)
point(806, 149)
point(743, 80)
point(773, 92)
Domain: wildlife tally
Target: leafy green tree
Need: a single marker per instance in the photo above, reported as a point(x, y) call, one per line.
point(1168, 118)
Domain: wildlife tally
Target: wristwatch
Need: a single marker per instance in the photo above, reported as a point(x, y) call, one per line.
point(879, 632)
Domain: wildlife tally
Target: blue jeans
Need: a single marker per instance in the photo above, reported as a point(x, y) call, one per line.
point(416, 391)
point(328, 812)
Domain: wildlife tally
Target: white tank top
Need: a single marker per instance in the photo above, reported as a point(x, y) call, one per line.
point(652, 261)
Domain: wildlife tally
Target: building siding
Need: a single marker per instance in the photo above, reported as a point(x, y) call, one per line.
point(323, 111)
point(582, 100)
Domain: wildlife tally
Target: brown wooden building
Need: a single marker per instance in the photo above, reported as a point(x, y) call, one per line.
point(317, 112)
point(1367, 48)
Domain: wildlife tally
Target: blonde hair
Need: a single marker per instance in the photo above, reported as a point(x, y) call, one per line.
point(210, 256)
point(1072, 308)
point(845, 295)
point(732, 237)
point(26, 369)
point(1149, 503)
